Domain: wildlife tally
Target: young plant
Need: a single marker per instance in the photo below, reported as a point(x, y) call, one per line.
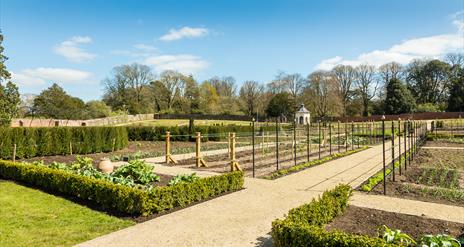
point(183, 178)
point(439, 240)
point(396, 237)
point(137, 170)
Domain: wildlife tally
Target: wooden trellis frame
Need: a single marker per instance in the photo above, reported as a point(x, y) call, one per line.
point(169, 158)
point(199, 159)
point(234, 165)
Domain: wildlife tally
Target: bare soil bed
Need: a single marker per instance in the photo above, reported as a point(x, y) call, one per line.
point(264, 163)
point(443, 143)
point(435, 175)
point(366, 221)
point(143, 146)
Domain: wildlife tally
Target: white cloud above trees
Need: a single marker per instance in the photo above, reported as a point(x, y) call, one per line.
point(71, 49)
point(184, 32)
point(425, 47)
point(40, 76)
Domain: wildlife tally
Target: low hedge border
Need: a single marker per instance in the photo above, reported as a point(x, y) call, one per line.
point(119, 198)
point(442, 136)
point(304, 225)
point(297, 168)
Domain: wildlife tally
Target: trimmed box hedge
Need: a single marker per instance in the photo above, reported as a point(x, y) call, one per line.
point(117, 197)
point(32, 142)
point(182, 133)
point(304, 225)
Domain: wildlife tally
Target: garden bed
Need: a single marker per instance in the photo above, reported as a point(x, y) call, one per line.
point(365, 221)
point(435, 175)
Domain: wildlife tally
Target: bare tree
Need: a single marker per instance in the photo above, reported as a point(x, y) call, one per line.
point(292, 83)
point(250, 95)
point(322, 93)
point(344, 75)
point(367, 85)
point(174, 83)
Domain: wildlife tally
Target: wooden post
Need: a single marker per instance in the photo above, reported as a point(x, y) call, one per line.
point(169, 158)
point(114, 144)
point(228, 146)
point(14, 153)
point(234, 166)
point(199, 158)
point(70, 148)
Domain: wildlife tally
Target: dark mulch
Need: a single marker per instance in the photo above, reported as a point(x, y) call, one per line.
point(366, 221)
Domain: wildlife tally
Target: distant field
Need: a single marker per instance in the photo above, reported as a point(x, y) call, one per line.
point(184, 122)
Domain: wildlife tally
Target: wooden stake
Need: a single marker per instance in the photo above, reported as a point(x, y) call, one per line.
point(169, 158)
point(14, 153)
point(234, 165)
point(200, 161)
point(114, 144)
point(70, 147)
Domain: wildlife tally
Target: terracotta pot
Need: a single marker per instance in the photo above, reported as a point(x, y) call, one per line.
point(106, 166)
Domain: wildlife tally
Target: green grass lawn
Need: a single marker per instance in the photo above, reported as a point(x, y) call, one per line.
point(33, 218)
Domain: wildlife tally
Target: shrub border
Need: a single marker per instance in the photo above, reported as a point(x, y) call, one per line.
point(120, 198)
point(284, 172)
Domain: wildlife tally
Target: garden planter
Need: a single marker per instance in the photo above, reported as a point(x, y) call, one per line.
point(106, 165)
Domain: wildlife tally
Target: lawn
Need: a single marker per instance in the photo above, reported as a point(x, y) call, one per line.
point(30, 217)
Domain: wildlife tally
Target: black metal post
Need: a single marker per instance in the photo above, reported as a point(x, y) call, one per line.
point(277, 142)
point(405, 146)
point(308, 150)
point(393, 148)
point(346, 137)
point(399, 144)
point(330, 138)
point(383, 156)
point(352, 136)
point(338, 136)
point(319, 124)
point(253, 143)
point(294, 141)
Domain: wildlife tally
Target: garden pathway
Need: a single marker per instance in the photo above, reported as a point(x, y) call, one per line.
point(244, 218)
point(450, 148)
point(411, 207)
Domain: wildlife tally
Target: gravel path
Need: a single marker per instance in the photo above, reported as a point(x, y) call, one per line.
point(244, 218)
point(411, 207)
point(454, 148)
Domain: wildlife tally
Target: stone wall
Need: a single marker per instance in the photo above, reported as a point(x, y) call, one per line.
point(116, 120)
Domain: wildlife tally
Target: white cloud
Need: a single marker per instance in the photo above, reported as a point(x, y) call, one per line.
point(404, 52)
point(39, 76)
point(139, 50)
point(184, 63)
point(71, 50)
point(185, 32)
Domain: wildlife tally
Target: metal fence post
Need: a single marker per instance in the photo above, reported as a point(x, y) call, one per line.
point(393, 148)
point(399, 143)
point(308, 149)
point(352, 135)
point(383, 156)
point(253, 143)
point(277, 143)
point(330, 138)
point(405, 145)
point(319, 124)
point(346, 137)
point(294, 141)
point(338, 135)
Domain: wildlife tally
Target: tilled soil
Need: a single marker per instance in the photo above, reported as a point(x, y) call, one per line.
point(366, 221)
point(443, 143)
point(264, 164)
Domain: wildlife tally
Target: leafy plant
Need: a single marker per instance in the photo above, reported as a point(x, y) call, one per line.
point(183, 178)
point(396, 237)
point(439, 240)
point(137, 170)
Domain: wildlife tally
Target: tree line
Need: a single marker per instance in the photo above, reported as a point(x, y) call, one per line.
point(424, 85)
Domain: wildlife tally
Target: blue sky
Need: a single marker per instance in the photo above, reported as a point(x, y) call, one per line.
point(77, 43)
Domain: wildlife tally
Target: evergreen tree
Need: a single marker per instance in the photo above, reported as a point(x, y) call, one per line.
point(54, 102)
point(398, 98)
point(456, 96)
point(282, 104)
point(9, 94)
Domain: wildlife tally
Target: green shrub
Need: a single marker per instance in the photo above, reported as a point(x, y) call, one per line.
point(304, 225)
point(120, 198)
point(183, 178)
point(32, 142)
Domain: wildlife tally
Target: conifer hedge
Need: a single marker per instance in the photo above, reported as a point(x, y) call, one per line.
point(33, 142)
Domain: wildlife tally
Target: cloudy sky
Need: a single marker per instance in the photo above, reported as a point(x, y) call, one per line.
point(77, 43)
